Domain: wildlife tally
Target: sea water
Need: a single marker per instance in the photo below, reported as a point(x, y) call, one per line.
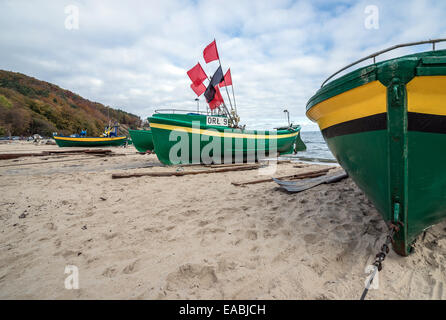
point(317, 149)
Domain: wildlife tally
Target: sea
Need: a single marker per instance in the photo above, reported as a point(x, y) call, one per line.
point(317, 150)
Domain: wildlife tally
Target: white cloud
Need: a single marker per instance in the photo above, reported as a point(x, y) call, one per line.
point(134, 54)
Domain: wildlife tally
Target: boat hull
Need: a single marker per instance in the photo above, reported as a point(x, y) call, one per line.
point(386, 125)
point(89, 141)
point(142, 140)
point(188, 139)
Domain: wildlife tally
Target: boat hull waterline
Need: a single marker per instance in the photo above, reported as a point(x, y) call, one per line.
point(386, 126)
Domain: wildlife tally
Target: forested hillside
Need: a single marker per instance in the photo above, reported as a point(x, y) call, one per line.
point(29, 106)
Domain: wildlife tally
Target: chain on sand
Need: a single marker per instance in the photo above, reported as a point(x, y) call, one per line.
point(380, 256)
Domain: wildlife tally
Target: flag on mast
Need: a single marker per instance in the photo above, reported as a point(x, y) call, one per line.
point(209, 94)
point(198, 89)
point(210, 53)
point(213, 96)
point(217, 77)
point(218, 99)
point(213, 84)
point(197, 74)
point(227, 79)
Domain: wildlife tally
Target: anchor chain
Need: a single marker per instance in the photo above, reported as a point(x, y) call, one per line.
point(381, 255)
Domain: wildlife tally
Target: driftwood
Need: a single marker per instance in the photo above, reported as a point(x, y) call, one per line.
point(183, 173)
point(44, 162)
point(317, 160)
point(240, 164)
point(280, 161)
point(229, 165)
point(311, 174)
point(7, 156)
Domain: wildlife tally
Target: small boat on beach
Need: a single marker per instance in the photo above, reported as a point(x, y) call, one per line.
point(200, 138)
point(386, 125)
point(109, 138)
point(142, 140)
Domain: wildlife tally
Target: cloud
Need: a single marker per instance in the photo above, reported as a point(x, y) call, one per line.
point(134, 55)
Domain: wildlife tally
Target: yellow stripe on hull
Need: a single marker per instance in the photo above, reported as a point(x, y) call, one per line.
point(360, 102)
point(427, 94)
point(221, 134)
point(88, 139)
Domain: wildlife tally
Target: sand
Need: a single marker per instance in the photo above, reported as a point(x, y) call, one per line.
point(194, 237)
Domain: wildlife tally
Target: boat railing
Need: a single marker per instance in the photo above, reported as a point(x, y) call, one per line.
point(374, 55)
point(186, 111)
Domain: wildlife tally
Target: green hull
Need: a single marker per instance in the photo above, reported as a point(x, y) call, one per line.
point(181, 138)
point(142, 140)
point(89, 142)
point(391, 139)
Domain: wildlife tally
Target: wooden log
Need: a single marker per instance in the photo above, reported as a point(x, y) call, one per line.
point(96, 151)
point(44, 162)
point(311, 174)
point(8, 156)
point(231, 165)
point(242, 164)
point(182, 173)
point(278, 161)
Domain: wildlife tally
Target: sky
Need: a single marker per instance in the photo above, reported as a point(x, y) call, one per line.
point(134, 55)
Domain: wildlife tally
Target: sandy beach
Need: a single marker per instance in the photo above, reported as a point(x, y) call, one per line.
point(193, 237)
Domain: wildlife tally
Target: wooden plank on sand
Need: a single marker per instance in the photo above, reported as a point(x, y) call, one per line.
point(8, 156)
point(45, 162)
point(183, 173)
point(311, 174)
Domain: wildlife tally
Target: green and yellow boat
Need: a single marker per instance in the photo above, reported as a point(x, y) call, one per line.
point(201, 138)
point(386, 125)
point(142, 140)
point(109, 138)
point(89, 141)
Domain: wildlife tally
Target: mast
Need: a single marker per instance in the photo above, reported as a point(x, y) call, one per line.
point(234, 122)
point(224, 105)
point(233, 95)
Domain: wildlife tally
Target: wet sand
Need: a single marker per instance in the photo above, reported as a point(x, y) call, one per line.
point(193, 237)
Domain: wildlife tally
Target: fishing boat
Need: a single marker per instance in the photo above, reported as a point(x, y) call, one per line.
point(109, 138)
point(191, 137)
point(386, 125)
point(215, 136)
point(142, 140)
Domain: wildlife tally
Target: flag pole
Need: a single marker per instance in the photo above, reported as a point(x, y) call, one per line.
point(226, 108)
point(233, 95)
point(224, 105)
point(226, 87)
